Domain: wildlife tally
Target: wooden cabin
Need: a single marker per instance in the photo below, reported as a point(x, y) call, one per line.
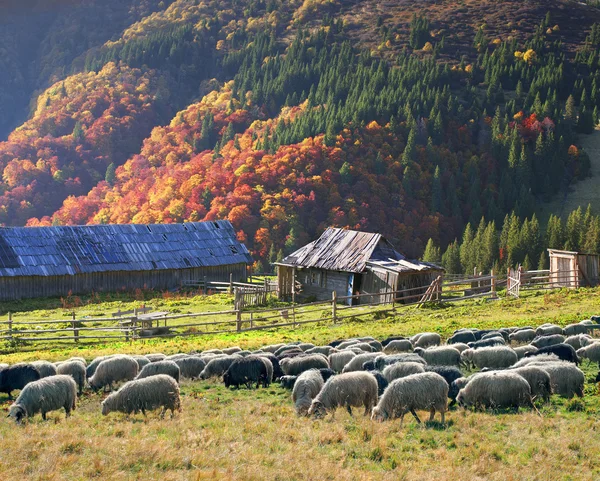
point(57, 261)
point(573, 269)
point(351, 262)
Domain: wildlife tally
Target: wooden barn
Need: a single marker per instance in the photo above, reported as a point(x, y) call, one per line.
point(573, 269)
point(56, 261)
point(351, 262)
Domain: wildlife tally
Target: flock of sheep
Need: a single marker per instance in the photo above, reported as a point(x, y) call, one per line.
point(389, 379)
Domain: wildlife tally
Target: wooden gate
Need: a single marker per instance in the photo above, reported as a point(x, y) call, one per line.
point(513, 281)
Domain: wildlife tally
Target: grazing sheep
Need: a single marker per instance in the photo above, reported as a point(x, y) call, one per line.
point(591, 352)
point(347, 343)
point(426, 339)
point(387, 360)
point(277, 371)
point(564, 352)
point(387, 340)
point(190, 367)
point(244, 353)
point(325, 350)
point(45, 368)
point(491, 335)
point(16, 377)
point(269, 365)
point(497, 389)
point(545, 341)
point(522, 350)
point(364, 346)
point(78, 358)
point(440, 356)
point(141, 360)
point(368, 366)
point(338, 360)
point(351, 389)
point(462, 336)
point(115, 369)
point(548, 330)
point(155, 357)
point(455, 388)
point(449, 373)
point(45, 395)
point(376, 345)
point(460, 346)
point(288, 382)
point(398, 345)
point(496, 357)
point(307, 386)
point(538, 379)
point(247, 370)
point(297, 365)
point(326, 373)
point(426, 391)
point(402, 369)
point(217, 367)
point(382, 382)
point(214, 351)
point(272, 348)
point(75, 369)
point(168, 367)
point(290, 353)
point(573, 329)
point(523, 335)
point(577, 341)
point(305, 346)
point(91, 368)
point(526, 361)
point(567, 380)
point(356, 363)
point(287, 347)
point(586, 341)
point(174, 357)
point(160, 391)
point(231, 350)
point(494, 341)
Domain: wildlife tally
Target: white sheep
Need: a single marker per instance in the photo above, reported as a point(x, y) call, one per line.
point(440, 355)
point(160, 391)
point(402, 369)
point(424, 391)
point(356, 363)
point(590, 352)
point(426, 339)
point(338, 360)
point(307, 386)
point(538, 379)
point(45, 395)
point(45, 368)
point(112, 370)
point(494, 357)
point(577, 341)
point(75, 369)
point(294, 366)
point(351, 389)
point(168, 367)
point(397, 346)
point(522, 350)
point(549, 340)
point(522, 335)
point(567, 379)
point(497, 389)
point(548, 329)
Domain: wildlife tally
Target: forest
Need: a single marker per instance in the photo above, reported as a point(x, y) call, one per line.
point(288, 118)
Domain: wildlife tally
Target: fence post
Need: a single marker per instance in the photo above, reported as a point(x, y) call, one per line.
point(334, 306)
point(10, 326)
point(75, 331)
point(205, 286)
point(231, 283)
point(293, 315)
point(493, 283)
point(238, 320)
point(134, 320)
point(251, 320)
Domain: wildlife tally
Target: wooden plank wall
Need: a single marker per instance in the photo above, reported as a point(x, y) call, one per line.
point(319, 283)
point(13, 288)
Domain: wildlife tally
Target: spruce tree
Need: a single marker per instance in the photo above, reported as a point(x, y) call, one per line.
point(432, 253)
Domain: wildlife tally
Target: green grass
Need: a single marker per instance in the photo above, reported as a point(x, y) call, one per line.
point(247, 434)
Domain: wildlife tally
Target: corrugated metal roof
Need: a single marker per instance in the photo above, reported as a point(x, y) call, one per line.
point(61, 250)
point(350, 251)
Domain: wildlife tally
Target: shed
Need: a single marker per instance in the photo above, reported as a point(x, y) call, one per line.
point(573, 269)
point(58, 260)
point(351, 262)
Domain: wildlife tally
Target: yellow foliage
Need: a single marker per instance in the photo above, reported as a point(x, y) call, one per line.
point(428, 47)
point(388, 44)
point(469, 68)
point(519, 54)
point(220, 45)
point(556, 28)
point(549, 31)
point(530, 56)
point(496, 41)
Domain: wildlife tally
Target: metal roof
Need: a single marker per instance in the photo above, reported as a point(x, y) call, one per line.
point(351, 251)
point(64, 250)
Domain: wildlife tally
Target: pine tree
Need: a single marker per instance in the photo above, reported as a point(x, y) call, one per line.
point(451, 259)
point(110, 175)
point(543, 261)
point(436, 191)
point(409, 153)
point(78, 134)
point(573, 230)
point(554, 233)
point(467, 259)
point(432, 253)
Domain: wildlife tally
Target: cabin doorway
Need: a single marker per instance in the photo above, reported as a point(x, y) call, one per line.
point(354, 284)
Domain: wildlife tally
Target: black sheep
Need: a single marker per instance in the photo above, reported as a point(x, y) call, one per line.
point(382, 382)
point(563, 351)
point(462, 336)
point(336, 343)
point(17, 376)
point(290, 353)
point(449, 373)
point(479, 333)
point(326, 373)
point(494, 341)
point(277, 372)
point(246, 370)
point(386, 341)
point(288, 382)
point(368, 366)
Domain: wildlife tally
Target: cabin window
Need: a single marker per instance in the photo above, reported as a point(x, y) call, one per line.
point(323, 279)
point(315, 278)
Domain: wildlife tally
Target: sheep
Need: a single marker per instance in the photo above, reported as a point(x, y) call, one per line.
point(351, 389)
point(376, 345)
point(141, 361)
point(231, 350)
point(45, 368)
point(573, 329)
point(590, 352)
point(548, 330)
point(364, 346)
point(522, 350)
point(91, 368)
point(538, 379)
point(325, 350)
point(455, 388)
point(269, 366)
point(449, 373)
point(149, 393)
point(326, 373)
point(244, 353)
point(382, 361)
point(526, 361)
point(213, 351)
point(277, 371)
point(16, 377)
point(290, 353)
point(497, 389)
point(155, 357)
point(545, 341)
point(496, 357)
point(190, 367)
point(75, 369)
point(298, 365)
point(494, 341)
point(382, 382)
point(491, 335)
point(441, 356)
point(174, 357)
point(168, 367)
point(45, 395)
point(586, 341)
point(577, 340)
point(115, 369)
point(247, 370)
point(389, 339)
point(397, 346)
point(567, 380)
point(460, 346)
point(402, 369)
point(288, 382)
point(368, 366)
point(307, 386)
point(564, 352)
point(356, 363)
point(338, 360)
point(462, 336)
point(426, 339)
point(425, 391)
point(287, 347)
point(305, 346)
point(523, 335)
point(271, 348)
point(217, 367)
point(347, 343)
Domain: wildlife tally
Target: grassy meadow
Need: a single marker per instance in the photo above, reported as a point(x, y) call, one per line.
point(247, 435)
